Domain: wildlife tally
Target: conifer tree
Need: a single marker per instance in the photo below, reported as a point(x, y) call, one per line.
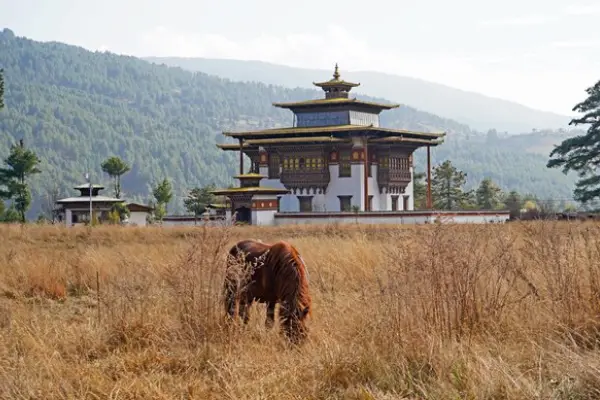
point(488, 195)
point(21, 163)
point(115, 168)
point(447, 187)
point(582, 153)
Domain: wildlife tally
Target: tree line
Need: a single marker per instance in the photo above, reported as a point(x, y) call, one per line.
point(448, 193)
point(447, 187)
point(580, 153)
point(23, 163)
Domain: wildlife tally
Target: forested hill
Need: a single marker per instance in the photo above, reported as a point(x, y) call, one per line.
point(76, 108)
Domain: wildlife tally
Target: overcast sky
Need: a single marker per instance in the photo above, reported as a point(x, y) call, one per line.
point(541, 53)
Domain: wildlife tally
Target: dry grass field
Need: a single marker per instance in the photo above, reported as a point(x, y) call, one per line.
point(431, 312)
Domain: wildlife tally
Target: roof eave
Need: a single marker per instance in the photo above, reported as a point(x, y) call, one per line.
point(335, 83)
point(277, 133)
point(301, 105)
point(257, 191)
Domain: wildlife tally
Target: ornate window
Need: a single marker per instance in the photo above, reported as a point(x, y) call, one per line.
point(344, 165)
point(274, 166)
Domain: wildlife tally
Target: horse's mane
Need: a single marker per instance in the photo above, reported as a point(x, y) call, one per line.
point(286, 254)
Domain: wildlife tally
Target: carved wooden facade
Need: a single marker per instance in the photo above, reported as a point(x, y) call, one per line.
point(393, 173)
point(298, 167)
point(307, 167)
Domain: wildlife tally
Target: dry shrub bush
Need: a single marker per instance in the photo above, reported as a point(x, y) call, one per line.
point(443, 311)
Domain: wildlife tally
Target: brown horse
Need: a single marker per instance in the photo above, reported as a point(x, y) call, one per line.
point(278, 275)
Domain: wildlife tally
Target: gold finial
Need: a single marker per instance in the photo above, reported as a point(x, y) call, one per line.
point(336, 73)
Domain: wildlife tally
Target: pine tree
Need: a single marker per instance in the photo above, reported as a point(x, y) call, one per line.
point(514, 203)
point(488, 195)
point(21, 163)
point(447, 187)
point(115, 168)
point(419, 190)
point(582, 153)
point(163, 194)
point(198, 199)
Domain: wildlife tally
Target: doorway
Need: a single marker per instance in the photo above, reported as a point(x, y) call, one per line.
point(244, 215)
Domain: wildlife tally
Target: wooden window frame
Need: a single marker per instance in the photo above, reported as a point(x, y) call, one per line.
point(343, 198)
point(309, 199)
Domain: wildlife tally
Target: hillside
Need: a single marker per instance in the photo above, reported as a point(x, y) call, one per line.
point(479, 111)
point(75, 108)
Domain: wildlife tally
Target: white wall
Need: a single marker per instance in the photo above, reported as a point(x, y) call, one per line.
point(68, 217)
point(263, 217)
point(351, 186)
point(410, 192)
point(200, 222)
point(288, 202)
point(393, 218)
point(138, 218)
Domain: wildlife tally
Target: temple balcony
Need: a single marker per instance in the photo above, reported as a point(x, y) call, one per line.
point(305, 179)
point(393, 178)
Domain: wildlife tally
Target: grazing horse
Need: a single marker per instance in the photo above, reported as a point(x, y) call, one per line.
point(278, 275)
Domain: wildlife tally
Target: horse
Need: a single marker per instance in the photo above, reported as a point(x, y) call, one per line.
point(278, 275)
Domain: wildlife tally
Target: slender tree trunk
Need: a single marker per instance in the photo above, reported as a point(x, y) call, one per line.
point(117, 187)
point(448, 195)
point(22, 208)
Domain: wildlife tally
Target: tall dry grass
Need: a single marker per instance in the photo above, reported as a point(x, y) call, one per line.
point(429, 312)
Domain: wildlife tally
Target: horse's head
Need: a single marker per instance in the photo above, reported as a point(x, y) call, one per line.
point(296, 328)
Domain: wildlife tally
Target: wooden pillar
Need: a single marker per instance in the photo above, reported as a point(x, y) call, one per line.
point(366, 172)
point(429, 202)
point(241, 156)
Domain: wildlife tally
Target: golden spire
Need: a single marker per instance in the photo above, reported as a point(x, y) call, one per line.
point(336, 87)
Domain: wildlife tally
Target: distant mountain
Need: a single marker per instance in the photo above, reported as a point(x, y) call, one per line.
point(75, 108)
point(476, 110)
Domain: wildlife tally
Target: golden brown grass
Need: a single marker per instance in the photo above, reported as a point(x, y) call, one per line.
point(437, 312)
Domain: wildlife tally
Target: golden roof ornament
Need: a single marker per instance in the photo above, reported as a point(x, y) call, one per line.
point(336, 73)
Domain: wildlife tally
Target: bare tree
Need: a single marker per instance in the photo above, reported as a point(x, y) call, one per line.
point(48, 206)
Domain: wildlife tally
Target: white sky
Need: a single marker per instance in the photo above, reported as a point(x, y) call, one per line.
point(541, 53)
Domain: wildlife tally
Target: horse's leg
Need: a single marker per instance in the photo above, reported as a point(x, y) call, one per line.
point(270, 314)
point(244, 306)
point(285, 318)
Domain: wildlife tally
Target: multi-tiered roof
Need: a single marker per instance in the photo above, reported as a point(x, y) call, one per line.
point(335, 118)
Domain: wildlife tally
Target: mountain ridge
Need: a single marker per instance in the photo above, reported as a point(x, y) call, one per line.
point(459, 104)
